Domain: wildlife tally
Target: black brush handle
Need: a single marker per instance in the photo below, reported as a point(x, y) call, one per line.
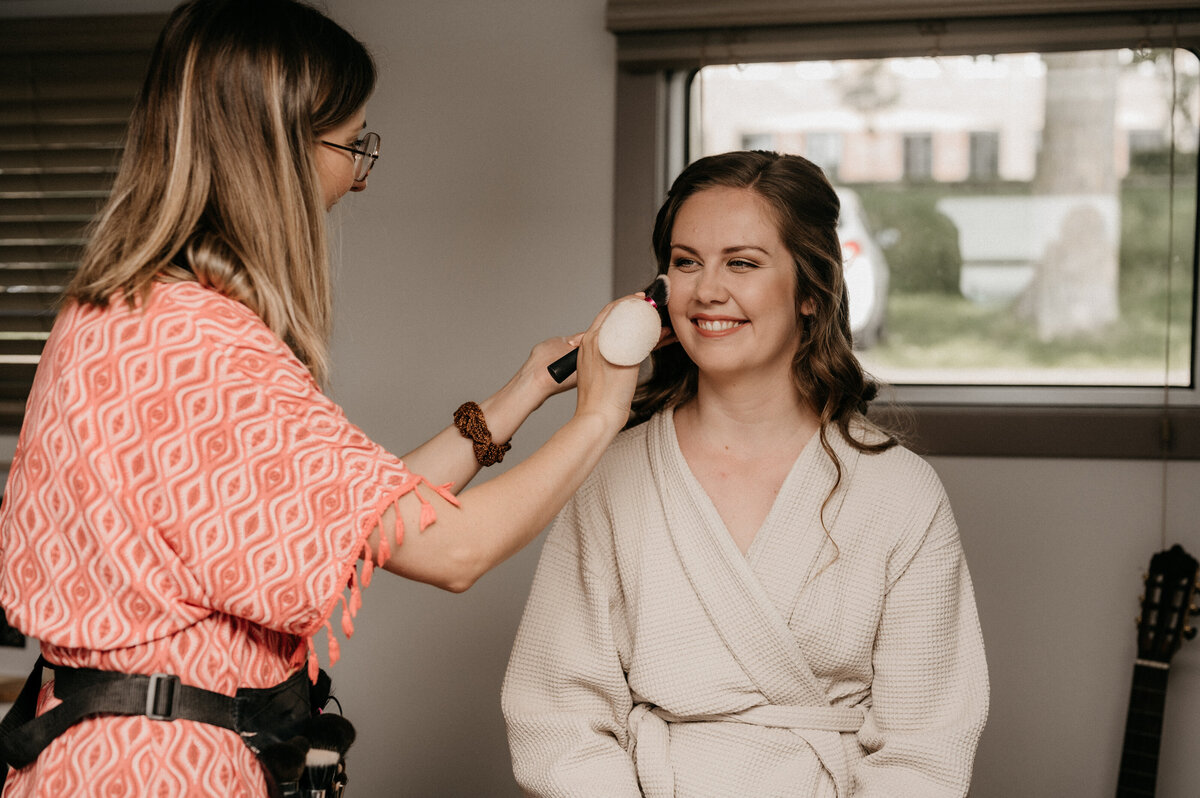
point(565, 366)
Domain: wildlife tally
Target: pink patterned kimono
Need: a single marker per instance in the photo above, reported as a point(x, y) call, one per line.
point(184, 499)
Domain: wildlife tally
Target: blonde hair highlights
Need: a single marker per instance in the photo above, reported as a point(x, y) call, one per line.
point(218, 181)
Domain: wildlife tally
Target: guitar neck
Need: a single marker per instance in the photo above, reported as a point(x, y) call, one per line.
point(1143, 731)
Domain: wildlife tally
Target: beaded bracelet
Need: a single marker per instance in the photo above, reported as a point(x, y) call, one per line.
point(470, 422)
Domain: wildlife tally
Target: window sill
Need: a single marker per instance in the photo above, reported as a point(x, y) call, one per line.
point(1135, 433)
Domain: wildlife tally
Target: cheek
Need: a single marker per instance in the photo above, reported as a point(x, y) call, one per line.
point(778, 302)
point(325, 175)
point(335, 178)
point(675, 306)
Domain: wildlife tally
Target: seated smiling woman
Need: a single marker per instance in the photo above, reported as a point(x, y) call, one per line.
point(757, 591)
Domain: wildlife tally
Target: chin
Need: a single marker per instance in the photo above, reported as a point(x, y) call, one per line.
point(736, 368)
point(725, 370)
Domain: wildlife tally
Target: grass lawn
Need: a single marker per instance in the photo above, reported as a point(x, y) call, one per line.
point(950, 332)
point(937, 331)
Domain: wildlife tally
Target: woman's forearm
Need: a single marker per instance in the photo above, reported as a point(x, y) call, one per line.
point(449, 457)
point(499, 517)
point(496, 519)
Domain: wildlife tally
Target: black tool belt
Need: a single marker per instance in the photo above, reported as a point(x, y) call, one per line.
point(262, 717)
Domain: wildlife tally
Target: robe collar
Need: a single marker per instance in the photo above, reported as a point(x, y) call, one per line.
point(751, 619)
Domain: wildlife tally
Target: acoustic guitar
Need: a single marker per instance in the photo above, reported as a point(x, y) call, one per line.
point(1162, 626)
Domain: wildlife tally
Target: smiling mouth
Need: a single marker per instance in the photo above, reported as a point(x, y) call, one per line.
point(717, 326)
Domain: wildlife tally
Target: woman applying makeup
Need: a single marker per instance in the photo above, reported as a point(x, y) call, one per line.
point(187, 510)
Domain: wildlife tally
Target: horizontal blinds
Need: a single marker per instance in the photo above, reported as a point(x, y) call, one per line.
point(662, 15)
point(67, 86)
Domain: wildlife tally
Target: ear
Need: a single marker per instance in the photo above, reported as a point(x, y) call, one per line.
point(807, 308)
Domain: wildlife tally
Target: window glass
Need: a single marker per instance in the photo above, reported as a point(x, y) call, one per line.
point(1016, 219)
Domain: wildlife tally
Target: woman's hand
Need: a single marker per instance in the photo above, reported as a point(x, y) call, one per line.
point(604, 389)
point(448, 456)
point(533, 371)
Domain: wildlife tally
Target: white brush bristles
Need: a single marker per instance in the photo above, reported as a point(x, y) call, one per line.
point(318, 757)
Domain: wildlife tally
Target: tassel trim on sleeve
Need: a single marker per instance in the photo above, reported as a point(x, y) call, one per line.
point(356, 582)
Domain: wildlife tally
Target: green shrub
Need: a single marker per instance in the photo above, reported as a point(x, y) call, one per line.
point(924, 256)
point(1145, 227)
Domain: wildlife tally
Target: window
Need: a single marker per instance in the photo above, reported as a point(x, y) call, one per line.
point(1048, 273)
point(1041, 236)
point(984, 155)
point(918, 156)
point(66, 89)
point(825, 150)
point(758, 141)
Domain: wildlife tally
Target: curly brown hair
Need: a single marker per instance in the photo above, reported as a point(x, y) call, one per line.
point(826, 372)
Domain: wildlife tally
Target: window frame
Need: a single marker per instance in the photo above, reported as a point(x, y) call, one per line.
point(653, 73)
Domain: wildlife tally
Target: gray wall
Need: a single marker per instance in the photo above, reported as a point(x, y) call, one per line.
point(487, 227)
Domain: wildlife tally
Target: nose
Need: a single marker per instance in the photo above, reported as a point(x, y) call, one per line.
point(710, 286)
point(359, 185)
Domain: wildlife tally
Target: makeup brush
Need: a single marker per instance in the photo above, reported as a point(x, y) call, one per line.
point(329, 737)
point(285, 762)
point(628, 333)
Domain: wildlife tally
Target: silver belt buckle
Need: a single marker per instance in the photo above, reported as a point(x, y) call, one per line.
point(160, 696)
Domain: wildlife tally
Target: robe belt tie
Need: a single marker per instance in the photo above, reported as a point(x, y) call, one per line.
point(833, 719)
point(649, 727)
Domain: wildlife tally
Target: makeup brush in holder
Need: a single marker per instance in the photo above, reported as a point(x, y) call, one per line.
point(629, 332)
point(329, 737)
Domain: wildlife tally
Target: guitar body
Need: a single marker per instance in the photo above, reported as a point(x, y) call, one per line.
point(1162, 626)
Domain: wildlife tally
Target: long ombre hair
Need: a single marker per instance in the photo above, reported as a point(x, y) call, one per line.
point(218, 180)
point(825, 371)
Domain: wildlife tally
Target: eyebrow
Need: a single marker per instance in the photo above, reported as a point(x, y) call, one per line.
point(726, 251)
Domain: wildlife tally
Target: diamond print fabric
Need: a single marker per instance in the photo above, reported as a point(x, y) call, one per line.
point(183, 499)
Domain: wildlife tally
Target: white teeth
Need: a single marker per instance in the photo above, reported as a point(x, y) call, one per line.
point(716, 326)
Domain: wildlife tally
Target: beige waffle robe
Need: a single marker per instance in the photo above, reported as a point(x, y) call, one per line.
point(654, 658)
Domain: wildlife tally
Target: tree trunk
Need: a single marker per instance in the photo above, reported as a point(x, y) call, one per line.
point(1075, 199)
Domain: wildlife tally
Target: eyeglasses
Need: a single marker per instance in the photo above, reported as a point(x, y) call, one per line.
point(365, 154)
